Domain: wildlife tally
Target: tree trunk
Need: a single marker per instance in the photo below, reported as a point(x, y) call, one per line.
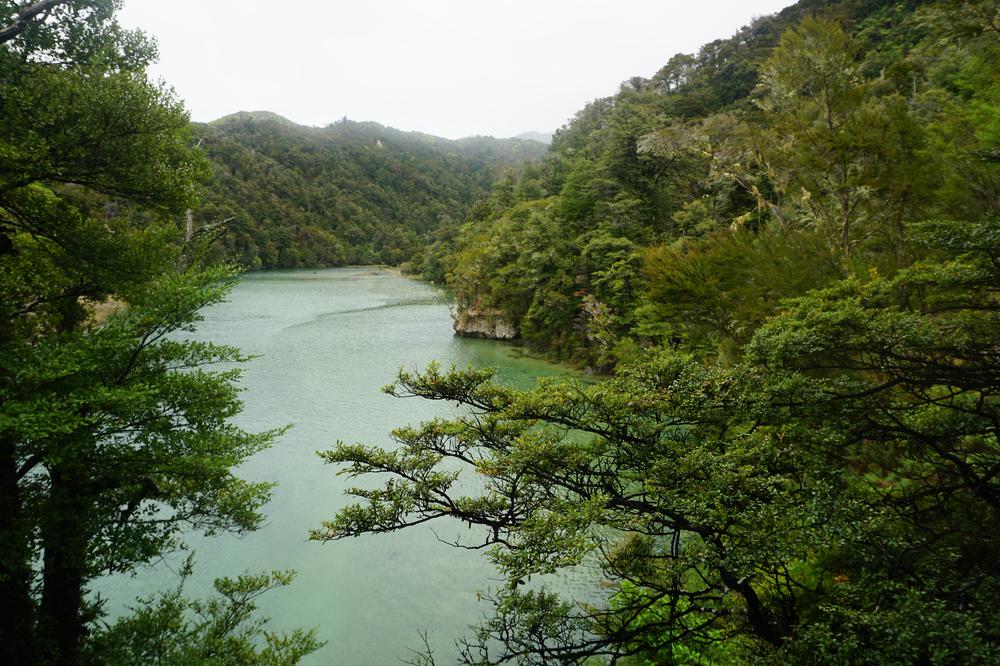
point(758, 617)
point(64, 538)
point(16, 607)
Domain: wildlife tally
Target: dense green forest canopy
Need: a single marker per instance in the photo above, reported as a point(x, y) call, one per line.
point(786, 249)
point(785, 246)
point(349, 193)
point(682, 209)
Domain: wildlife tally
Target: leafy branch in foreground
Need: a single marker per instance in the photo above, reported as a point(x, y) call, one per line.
point(222, 630)
point(824, 500)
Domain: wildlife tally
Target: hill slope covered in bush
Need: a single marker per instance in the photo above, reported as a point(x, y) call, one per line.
point(348, 193)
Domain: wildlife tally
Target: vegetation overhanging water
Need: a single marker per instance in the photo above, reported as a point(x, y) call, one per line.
point(325, 342)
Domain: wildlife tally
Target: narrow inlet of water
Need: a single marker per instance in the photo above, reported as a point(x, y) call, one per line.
point(325, 343)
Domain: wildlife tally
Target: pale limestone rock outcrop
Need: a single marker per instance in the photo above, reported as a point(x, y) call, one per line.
point(484, 323)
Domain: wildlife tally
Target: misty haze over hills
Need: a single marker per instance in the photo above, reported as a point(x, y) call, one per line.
point(541, 137)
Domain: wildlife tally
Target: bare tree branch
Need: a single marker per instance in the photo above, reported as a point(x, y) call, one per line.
point(24, 15)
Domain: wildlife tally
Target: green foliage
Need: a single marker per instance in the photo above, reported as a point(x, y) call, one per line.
point(115, 432)
point(715, 293)
point(171, 629)
point(829, 123)
point(840, 142)
point(798, 461)
point(348, 193)
point(817, 501)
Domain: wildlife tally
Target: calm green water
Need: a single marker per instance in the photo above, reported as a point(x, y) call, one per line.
point(327, 342)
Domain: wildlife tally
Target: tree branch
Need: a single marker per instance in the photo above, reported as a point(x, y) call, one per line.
point(24, 15)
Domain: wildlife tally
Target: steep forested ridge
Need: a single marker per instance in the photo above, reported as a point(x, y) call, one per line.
point(661, 208)
point(348, 193)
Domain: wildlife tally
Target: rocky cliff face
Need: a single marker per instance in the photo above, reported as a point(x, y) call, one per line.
point(484, 323)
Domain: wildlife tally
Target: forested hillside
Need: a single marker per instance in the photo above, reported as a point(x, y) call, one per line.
point(783, 250)
point(787, 249)
point(349, 193)
point(682, 209)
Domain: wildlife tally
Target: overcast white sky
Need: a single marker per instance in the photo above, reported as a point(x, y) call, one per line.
point(447, 67)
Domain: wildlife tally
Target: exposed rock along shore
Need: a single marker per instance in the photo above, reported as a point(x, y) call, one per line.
point(484, 323)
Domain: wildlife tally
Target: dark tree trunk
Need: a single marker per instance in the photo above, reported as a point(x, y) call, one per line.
point(64, 538)
point(16, 606)
point(758, 617)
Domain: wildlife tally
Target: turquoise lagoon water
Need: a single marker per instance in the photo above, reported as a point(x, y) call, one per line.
point(325, 343)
